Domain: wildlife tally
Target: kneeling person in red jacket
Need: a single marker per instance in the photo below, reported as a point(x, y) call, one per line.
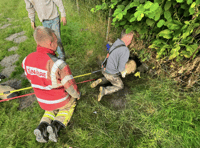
point(53, 84)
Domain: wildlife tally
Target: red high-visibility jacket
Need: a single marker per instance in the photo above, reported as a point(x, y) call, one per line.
point(51, 79)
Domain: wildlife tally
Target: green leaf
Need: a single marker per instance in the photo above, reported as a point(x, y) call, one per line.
point(119, 16)
point(122, 23)
point(160, 23)
point(189, 1)
point(179, 1)
point(150, 22)
point(166, 34)
point(192, 11)
point(117, 11)
point(174, 52)
point(197, 2)
point(157, 17)
point(167, 15)
point(139, 18)
point(148, 5)
point(154, 7)
point(184, 6)
point(167, 5)
point(193, 5)
point(140, 8)
point(128, 30)
point(132, 19)
point(121, 7)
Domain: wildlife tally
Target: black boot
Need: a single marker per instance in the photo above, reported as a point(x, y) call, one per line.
point(41, 132)
point(53, 130)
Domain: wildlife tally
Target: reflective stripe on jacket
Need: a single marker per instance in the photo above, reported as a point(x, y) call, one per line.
point(51, 79)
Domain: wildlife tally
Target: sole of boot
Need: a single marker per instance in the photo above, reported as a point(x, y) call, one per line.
point(52, 135)
point(39, 136)
point(100, 93)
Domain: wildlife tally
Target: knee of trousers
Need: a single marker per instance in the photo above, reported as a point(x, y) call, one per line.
point(121, 86)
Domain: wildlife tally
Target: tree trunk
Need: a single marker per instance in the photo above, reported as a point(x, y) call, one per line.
point(109, 24)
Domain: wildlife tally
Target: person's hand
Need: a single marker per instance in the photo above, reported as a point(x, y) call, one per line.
point(123, 73)
point(33, 25)
point(64, 20)
point(79, 96)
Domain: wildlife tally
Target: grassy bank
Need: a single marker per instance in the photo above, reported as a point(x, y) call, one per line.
point(154, 114)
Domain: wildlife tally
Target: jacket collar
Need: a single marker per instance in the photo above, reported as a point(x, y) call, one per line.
point(45, 50)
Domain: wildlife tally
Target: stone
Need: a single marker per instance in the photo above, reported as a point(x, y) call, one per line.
point(5, 26)
point(13, 36)
point(14, 48)
point(14, 83)
point(8, 70)
point(23, 75)
point(20, 39)
point(8, 61)
point(26, 101)
point(9, 19)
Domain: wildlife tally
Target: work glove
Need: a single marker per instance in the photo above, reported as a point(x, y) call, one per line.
point(123, 73)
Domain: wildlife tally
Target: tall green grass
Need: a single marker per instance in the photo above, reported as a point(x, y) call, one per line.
point(155, 114)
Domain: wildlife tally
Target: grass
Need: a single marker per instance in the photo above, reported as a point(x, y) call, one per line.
point(155, 114)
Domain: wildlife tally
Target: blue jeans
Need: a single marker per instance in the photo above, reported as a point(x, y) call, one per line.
point(55, 25)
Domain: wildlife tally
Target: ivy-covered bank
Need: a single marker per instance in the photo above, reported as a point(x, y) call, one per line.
point(169, 27)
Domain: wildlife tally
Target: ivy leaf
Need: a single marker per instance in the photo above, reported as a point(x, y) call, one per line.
point(150, 22)
point(167, 5)
point(128, 30)
point(192, 11)
point(193, 5)
point(148, 5)
point(179, 1)
point(119, 16)
point(154, 6)
point(123, 22)
point(160, 23)
point(166, 33)
point(139, 18)
point(197, 2)
point(121, 7)
point(174, 52)
point(157, 17)
point(167, 15)
point(189, 1)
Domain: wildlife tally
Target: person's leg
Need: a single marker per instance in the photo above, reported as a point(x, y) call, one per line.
point(115, 80)
point(61, 120)
point(56, 28)
point(100, 81)
point(55, 25)
point(41, 131)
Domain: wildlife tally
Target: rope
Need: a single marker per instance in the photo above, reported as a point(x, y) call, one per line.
point(8, 92)
point(34, 93)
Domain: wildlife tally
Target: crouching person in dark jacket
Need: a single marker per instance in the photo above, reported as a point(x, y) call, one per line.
point(115, 63)
point(53, 84)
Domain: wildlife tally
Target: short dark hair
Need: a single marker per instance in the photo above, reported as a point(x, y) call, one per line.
point(123, 33)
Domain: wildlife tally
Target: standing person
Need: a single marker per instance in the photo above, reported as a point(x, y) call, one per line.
point(49, 16)
point(53, 84)
point(116, 62)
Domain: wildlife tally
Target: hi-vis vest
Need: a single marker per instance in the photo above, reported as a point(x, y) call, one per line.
point(50, 78)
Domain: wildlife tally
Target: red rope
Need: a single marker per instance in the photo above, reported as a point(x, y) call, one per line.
point(34, 93)
point(16, 97)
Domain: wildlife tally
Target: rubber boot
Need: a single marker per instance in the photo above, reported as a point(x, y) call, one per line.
point(41, 132)
point(95, 83)
point(53, 130)
point(101, 93)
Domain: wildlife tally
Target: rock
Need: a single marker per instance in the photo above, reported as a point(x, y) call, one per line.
point(20, 39)
point(143, 68)
point(13, 36)
point(5, 26)
point(26, 101)
point(9, 19)
point(14, 48)
point(2, 77)
point(8, 70)
point(5, 88)
point(14, 83)
point(8, 61)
